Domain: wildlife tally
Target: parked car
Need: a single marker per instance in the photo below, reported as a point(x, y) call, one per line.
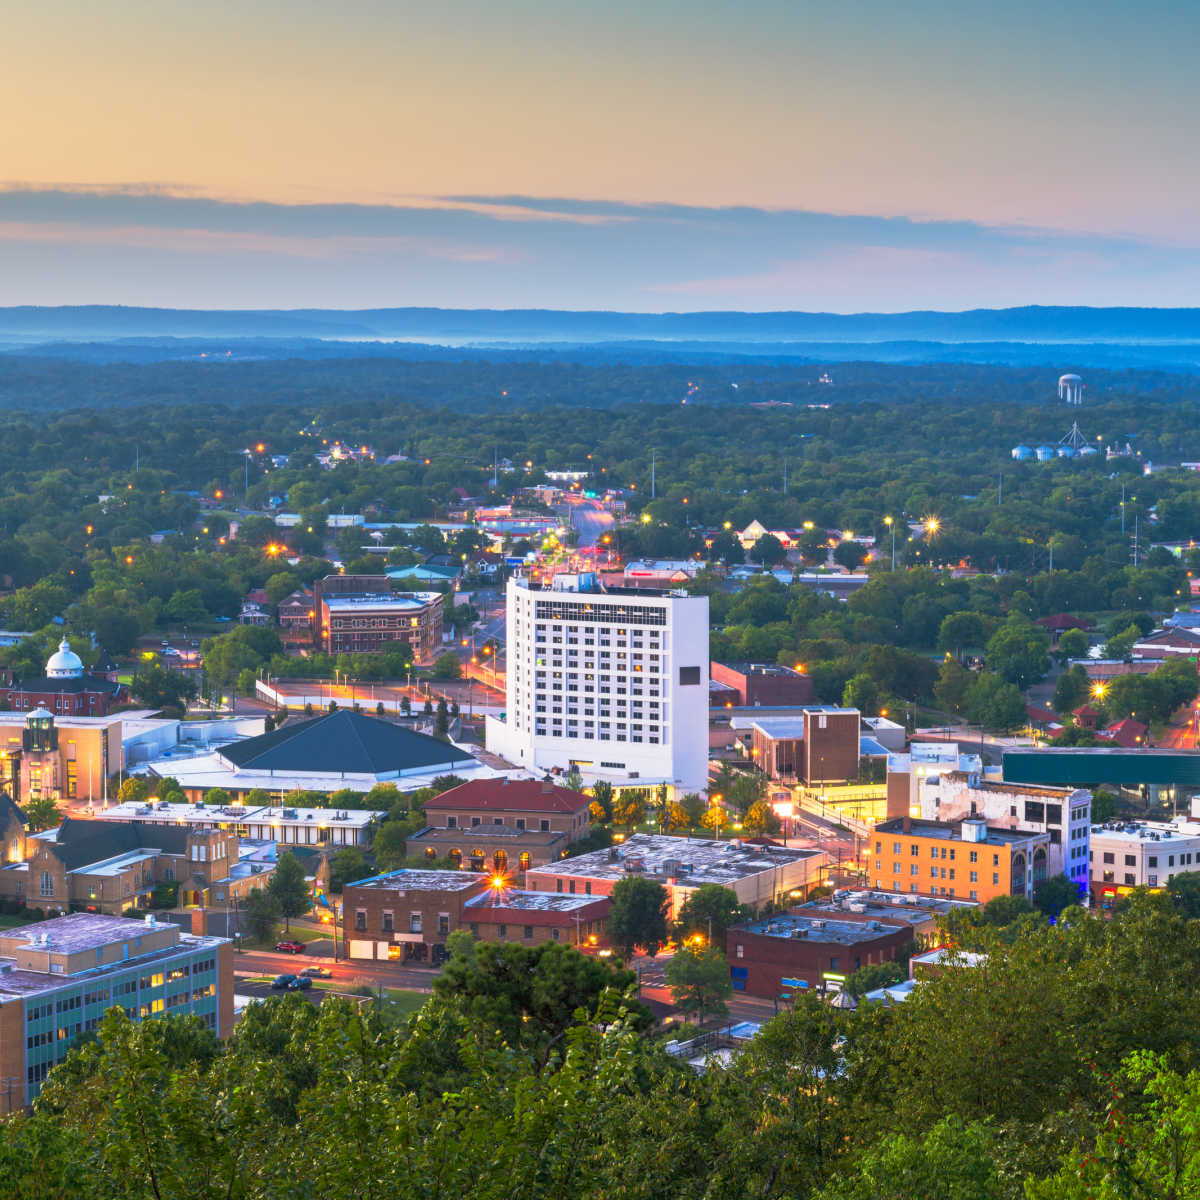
point(317, 973)
point(290, 947)
point(299, 983)
point(281, 982)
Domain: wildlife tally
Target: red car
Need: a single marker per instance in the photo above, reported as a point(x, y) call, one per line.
point(290, 947)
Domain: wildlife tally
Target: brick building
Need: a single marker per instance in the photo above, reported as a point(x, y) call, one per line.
point(66, 689)
point(531, 918)
point(107, 867)
point(523, 804)
point(363, 614)
point(820, 746)
point(755, 874)
point(966, 859)
point(763, 684)
point(296, 619)
point(406, 915)
point(791, 952)
point(498, 848)
point(58, 978)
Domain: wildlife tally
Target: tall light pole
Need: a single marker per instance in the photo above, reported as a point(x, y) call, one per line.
point(891, 524)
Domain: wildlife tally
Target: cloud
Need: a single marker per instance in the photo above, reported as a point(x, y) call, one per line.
point(161, 243)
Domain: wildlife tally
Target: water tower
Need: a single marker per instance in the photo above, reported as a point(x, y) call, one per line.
point(1070, 389)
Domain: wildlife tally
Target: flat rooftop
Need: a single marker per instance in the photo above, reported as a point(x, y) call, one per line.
point(1147, 831)
point(813, 928)
point(897, 906)
point(399, 601)
point(952, 832)
point(80, 931)
point(207, 814)
point(514, 900)
point(408, 880)
point(690, 860)
point(489, 833)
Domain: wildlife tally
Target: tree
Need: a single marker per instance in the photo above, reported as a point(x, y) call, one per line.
point(994, 704)
point(760, 820)
point(726, 548)
point(861, 692)
point(1055, 894)
point(1071, 690)
point(699, 981)
point(768, 550)
point(602, 801)
point(849, 554)
point(529, 994)
point(441, 724)
point(448, 666)
point(42, 812)
point(406, 706)
point(187, 607)
point(157, 687)
point(261, 915)
point(1017, 652)
point(873, 976)
point(638, 917)
point(746, 790)
point(216, 797)
point(709, 910)
point(952, 1161)
point(629, 808)
point(961, 630)
point(389, 844)
point(133, 790)
point(952, 683)
point(347, 866)
point(694, 807)
point(289, 888)
point(1072, 643)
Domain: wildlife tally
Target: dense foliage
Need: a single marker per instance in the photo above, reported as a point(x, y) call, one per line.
point(525, 1077)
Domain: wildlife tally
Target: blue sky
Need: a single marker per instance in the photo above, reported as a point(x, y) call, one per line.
point(761, 155)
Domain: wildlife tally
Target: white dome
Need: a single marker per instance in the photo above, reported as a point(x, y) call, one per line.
point(65, 664)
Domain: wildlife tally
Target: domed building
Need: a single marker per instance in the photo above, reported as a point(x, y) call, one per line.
point(66, 689)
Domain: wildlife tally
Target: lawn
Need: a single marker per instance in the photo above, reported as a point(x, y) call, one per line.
point(14, 921)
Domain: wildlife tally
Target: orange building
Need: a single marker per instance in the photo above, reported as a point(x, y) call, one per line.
point(966, 859)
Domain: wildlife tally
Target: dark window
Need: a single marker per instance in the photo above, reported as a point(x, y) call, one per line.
point(1054, 814)
point(689, 676)
point(1035, 810)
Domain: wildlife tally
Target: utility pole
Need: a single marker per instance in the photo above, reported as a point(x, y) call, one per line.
point(1051, 554)
point(653, 464)
point(1122, 510)
point(785, 465)
point(1135, 539)
point(1000, 493)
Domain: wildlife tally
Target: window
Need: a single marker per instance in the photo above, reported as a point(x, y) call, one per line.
point(689, 676)
point(528, 932)
point(360, 920)
point(974, 856)
point(443, 922)
point(388, 921)
point(414, 922)
point(46, 884)
point(1130, 879)
point(739, 951)
point(1152, 860)
point(1130, 861)
point(1109, 857)
point(502, 932)
point(451, 822)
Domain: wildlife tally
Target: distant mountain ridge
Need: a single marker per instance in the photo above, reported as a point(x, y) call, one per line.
point(1034, 324)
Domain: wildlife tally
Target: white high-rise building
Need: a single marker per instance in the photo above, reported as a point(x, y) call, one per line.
point(610, 680)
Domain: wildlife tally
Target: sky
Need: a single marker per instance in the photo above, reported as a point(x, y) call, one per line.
point(650, 156)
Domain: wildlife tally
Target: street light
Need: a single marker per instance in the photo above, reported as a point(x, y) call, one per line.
point(891, 524)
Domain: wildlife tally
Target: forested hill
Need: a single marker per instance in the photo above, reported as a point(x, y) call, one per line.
point(1029, 324)
point(524, 381)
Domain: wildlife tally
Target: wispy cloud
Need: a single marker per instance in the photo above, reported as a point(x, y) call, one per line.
point(158, 243)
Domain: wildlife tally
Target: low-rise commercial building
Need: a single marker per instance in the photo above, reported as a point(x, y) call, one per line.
point(764, 684)
point(500, 849)
point(920, 913)
point(965, 859)
point(406, 915)
point(363, 614)
point(1065, 814)
point(818, 747)
point(44, 756)
point(287, 826)
point(1130, 854)
point(522, 804)
point(792, 952)
point(755, 874)
point(58, 978)
point(531, 918)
